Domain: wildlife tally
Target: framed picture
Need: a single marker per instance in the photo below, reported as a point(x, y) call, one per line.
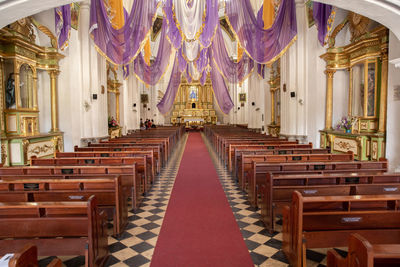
point(144, 98)
point(309, 11)
point(242, 97)
point(75, 9)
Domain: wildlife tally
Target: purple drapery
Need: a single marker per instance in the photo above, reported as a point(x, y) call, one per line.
point(123, 45)
point(275, 40)
point(168, 99)
point(321, 14)
point(63, 25)
point(232, 71)
point(152, 74)
point(210, 24)
point(220, 90)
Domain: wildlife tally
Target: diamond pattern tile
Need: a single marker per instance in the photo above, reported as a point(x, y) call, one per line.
point(135, 246)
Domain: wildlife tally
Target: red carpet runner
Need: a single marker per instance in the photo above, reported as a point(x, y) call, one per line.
point(199, 228)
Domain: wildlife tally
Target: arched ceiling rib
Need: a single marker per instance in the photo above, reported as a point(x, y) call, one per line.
point(386, 12)
point(13, 10)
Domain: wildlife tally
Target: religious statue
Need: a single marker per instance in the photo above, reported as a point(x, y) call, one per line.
point(10, 91)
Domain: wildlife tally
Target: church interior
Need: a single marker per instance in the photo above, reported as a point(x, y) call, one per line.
point(199, 133)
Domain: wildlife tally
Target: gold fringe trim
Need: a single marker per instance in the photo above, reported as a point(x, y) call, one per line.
point(162, 76)
point(241, 80)
point(245, 50)
point(140, 46)
point(178, 25)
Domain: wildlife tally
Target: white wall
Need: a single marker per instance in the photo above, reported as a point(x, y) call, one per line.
point(393, 108)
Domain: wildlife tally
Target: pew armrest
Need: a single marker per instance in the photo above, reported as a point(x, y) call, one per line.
point(334, 259)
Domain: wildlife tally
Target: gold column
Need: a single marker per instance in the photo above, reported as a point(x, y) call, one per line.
point(117, 106)
point(272, 107)
point(54, 102)
point(350, 105)
point(35, 96)
point(383, 97)
point(329, 98)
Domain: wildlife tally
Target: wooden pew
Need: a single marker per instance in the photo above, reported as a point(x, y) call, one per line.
point(248, 160)
point(269, 143)
point(129, 179)
point(362, 253)
point(328, 221)
point(27, 257)
point(56, 228)
point(140, 162)
point(155, 149)
point(108, 192)
point(119, 145)
point(277, 190)
point(238, 150)
point(151, 162)
point(257, 175)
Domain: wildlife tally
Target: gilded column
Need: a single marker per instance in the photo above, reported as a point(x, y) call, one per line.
point(329, 98)
point(272, 107)
point(383, 97)
point(117, 105)
point(350, 104)
point(54, 101)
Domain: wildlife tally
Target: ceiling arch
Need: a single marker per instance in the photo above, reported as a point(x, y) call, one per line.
point(13, 10)
point(386, 12)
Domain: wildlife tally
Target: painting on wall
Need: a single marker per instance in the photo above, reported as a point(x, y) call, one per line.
point(75, 9)
point(309, 11)
point(242, 97)
point(193, 93)
point(144, 98)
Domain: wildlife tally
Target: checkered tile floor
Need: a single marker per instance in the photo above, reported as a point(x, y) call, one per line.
point(264, 248)
point(136, 245)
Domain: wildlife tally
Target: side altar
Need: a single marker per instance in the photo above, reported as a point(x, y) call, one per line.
point(193, 105)
point(21, 63)
point(365, 60)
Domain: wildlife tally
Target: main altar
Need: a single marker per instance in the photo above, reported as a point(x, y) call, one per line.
point(193, 105)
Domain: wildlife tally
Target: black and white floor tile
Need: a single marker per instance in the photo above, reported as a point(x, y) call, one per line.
point(136, 245)
point(264, 248)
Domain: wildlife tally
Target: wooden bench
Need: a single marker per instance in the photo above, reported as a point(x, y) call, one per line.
point(269, 143)
point(155, 149)
point(56, 228)
point(108, 192)
point(245, 161)
point(27, 257)
point(362, 253)
point(129, 179)
point(328, 221)
point(151, 163)
point(257, 175)
point(140, 162)
point(119, 145)
point(248, 160)
point(277, 190)
point(238, 150)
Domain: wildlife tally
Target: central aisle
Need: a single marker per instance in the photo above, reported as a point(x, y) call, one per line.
point(199, 228)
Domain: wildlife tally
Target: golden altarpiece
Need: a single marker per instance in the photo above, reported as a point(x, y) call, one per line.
point(193, 105)
point(366, 61)
point(275, 89)
point(20, 62)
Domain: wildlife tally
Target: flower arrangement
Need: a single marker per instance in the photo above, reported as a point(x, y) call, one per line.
point(112, 122)
point(346, 123)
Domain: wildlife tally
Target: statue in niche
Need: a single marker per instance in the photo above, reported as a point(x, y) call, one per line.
point(10, 91)
point(193, 94)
